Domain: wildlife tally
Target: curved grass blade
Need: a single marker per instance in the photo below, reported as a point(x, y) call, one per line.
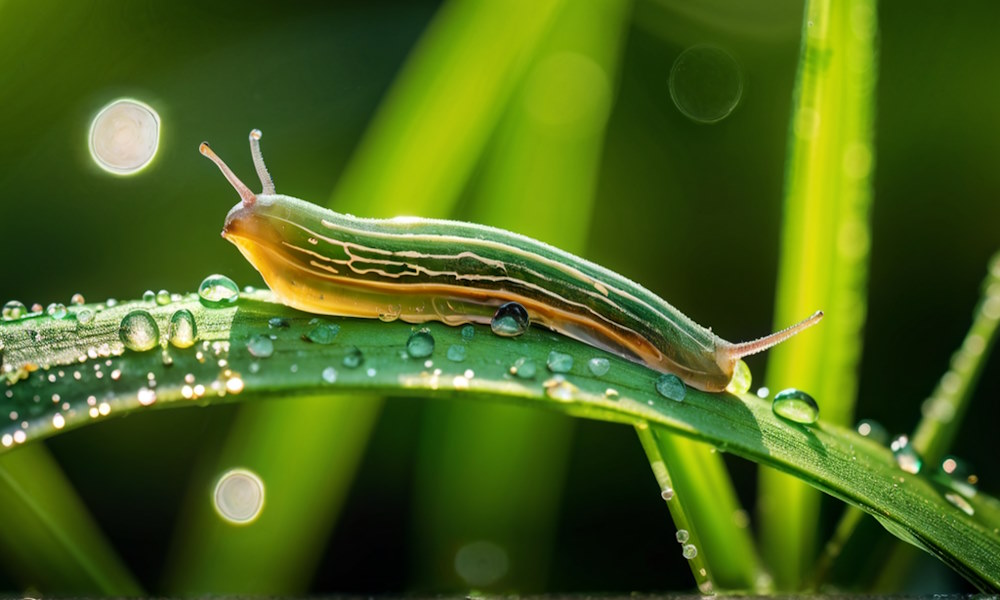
point(831, 458)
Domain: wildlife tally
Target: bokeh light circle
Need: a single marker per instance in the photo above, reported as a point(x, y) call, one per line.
point(706, 83)
point(239, 496)
point(124, 136)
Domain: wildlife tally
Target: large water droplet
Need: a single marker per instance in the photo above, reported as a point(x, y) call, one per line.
point(56, 310)
point(217, 291)
point(239, 496)
point(124, 136)
point(559, 362)
point(420, 344)
point(873, 430)
point(138, 331)
point(183, 332)
point(324, 333)
point(670, 386)
point(353, 358)
point(13, 310)
point(906, 456)
point(510, 320)
point(260, 345)
point(599, 366)
point(456, 353)
point(523, 368)
point(706, 84)
point(740, 383)
point(795, 405)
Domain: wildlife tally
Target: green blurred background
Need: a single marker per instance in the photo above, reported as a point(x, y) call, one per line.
point(692, 211)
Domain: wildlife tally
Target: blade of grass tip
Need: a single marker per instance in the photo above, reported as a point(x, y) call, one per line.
point(539, 179)
point(426, 135)
point(943, 413)
point(692, 547)
point(824, 256)
point(49, 540)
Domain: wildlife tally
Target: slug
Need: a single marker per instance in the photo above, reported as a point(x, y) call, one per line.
point(419, 270)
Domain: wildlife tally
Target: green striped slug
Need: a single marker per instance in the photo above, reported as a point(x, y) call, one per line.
point(419, 270)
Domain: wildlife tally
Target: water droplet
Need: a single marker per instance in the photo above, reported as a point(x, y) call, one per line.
point(599, 366)
point(481, 563)
point(558, 388)
point(959, 475)
point(138, 331)
point(670, 386)
point(149, 296)
point(456, 353)
point(13, 310)
point(611, 394)
point(163, 297)
point(706, 83)
point(329, 375)
point(667, 493)
point(420, 344)
point(682, 536)
point(468, 332)
point(124, 136)
point(523, 368)
point(906, 457)
point(239, 496)
point(795, 405)
point(353, 358)
point(277, 323)
point(763, 392)
point(183, 332)
point(960, 502)
point(390, 313)
point(873, 430)
point(56, 310)
point(217, 291)
point(323, 333)
point(146, 396)
point(260, 346)
point(740, 383)
point(85, 316)
point(689, 551)
point(510, 320)
point(77, 299)
point(559, 362)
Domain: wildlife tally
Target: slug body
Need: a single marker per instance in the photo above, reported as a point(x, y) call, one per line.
point(421, 270)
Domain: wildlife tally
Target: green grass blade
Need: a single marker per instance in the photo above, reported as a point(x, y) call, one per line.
point(827, 456)
point(48, 540)
point(539, 176)
point(824, 252)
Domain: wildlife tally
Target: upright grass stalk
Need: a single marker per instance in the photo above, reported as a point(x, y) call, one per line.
point(825, 244)
point(414, 159)
point(495, 473)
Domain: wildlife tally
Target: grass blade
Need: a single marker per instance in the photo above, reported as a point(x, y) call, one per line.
point(824, 251)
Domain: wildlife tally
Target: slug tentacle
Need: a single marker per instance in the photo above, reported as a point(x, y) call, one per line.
point(267, 184)
point(735, 351)
point(248, 197)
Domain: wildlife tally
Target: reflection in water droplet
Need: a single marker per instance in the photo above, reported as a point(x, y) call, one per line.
point(56, 310)
point(740, 383)
point(481, 563)
point(960, 476)
point(138, 331)
point(13, 310)
point(559, 362)
point(906, 456)
point(456, 353)
point(323, 333)
point(239, 496)
point(599, 366)
point(763, 392)
point(260, 346)
point(523, 368)
point(795, 405)
point(217, 291)
point(510, 320)
point(124, 136)
point(183, 332)
point(670, 386)
point(420, 344)
point(873, 430)
point(149, 296)
point(706, 83)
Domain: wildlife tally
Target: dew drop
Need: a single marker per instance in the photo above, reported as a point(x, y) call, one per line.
point(706, 84)
point(85, 316)
point(183, 332)
point(124, 136)
point(689, 551)
point(670, 386)
point(277, 323)
point(138, 331)
point(510, 320)
point(468, 332)
point(682, 536)
point(323, 333)
point(354, 358)
point(329, 375)
point(56, 310)
point(873, 430)
point(740, 383)
point(763, 392)
point(420, 344)
point(239, 496)
point(13, 310)
point(146, 396)
point(906, 457)
point(149, 296)
point(217, 291)
point(260, 346)
point(456, 353)
point(77, 299)
point(795, 405)
point(959, 475)
point(599, 366)
point(163, 297)
point(559, 362)
point(523, 368)
point(667, 493)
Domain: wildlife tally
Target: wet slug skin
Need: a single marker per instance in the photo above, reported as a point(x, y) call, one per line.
point(418, 270)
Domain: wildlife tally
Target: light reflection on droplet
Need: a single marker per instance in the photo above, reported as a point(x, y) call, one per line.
point(124, 136)
point(239, 496)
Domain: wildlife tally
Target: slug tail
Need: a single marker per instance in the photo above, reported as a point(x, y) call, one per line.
point(736, 351)
point(246, 195)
